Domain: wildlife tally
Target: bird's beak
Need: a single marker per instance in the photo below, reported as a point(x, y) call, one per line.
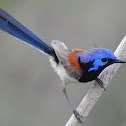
point(119, 61)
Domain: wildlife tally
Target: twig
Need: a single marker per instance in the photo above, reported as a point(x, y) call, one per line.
point(94, 93)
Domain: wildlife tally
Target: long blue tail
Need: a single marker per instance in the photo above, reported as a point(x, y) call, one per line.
point(15, 28)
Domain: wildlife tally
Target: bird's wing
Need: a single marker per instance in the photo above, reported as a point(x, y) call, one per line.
point(15, 28)
point(61, 52)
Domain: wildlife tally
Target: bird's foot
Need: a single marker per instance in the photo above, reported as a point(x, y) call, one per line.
point(78, 116)
point(101, 83)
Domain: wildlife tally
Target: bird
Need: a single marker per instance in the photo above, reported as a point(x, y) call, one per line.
point(72, 65)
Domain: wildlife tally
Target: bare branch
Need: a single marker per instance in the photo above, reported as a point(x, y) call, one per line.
point(94, 93)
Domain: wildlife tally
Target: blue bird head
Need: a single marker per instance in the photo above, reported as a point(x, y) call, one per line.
point(94, 61)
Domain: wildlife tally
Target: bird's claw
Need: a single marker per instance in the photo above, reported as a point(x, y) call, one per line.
point(78, 116)
point(100, 82)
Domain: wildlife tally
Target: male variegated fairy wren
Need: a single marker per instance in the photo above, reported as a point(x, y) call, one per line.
point(73, 66)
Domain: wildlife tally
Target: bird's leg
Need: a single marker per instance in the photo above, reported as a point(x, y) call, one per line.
point(76, 113)
point(100, 82)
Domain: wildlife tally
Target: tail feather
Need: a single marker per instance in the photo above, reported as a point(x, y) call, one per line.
point(15, 28)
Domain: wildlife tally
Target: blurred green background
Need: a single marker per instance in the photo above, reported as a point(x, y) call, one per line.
point(30, 93)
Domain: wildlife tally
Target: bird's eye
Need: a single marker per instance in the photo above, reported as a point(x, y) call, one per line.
point(104, 59)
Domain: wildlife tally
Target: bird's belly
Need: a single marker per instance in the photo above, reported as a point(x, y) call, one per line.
point(64, 76)
point(62, 72)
